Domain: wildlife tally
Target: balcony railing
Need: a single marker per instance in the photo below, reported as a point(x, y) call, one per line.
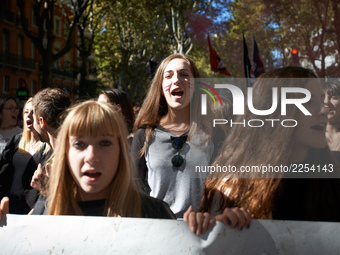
point(64, 73)
point(16, 61)
point(7, 15)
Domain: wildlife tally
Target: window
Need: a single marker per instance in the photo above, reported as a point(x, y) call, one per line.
point(56, 50)
point(5, 88)
point(67, 61)
point(19, 82)
point(57, 26)
point(20, 49)
point(33, 51)
point(33, 87)
point(20, 45)
point(19, 19)
point(5, 41)
point(66, 30)
point(34, 21)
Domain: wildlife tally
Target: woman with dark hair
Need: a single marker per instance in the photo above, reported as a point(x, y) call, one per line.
point(332, 102)
point(8, 120)
point(279, 196)
point(121, 100)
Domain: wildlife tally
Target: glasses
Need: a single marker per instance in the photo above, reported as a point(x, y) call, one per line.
point(177, 144)
point(12, 109)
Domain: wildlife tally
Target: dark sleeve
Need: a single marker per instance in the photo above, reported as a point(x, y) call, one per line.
point(6, 166)
point(40, 208)
point(31, 194)
point(155, 208)
point(10, 149)
point(139, 162)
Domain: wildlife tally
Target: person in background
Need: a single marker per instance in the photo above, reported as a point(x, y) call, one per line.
point(332, 103)
point(136, 105)
point(284, 195)
point(8, 120)
point(20, 121)
point(163, 141)
point(120, 99)
point(22, 155)
point(49, 108)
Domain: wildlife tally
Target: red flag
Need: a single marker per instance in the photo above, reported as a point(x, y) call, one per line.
point(258, 66)
point(215, 61)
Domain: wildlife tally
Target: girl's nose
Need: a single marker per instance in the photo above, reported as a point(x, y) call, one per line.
point(327, 99)
point(91, 155)
point(175, 78)
point(324, 110)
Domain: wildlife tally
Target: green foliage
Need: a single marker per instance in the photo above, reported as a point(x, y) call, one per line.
point(134, 32)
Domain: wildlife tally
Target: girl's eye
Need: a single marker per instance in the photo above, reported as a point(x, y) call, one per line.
point(78, 144)
point(105, 143)
point(185, 75)
point(167, 76)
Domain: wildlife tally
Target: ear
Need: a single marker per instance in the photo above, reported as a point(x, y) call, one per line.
point(42, 123)
point(120, 108)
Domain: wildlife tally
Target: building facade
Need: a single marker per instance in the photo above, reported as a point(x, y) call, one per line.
point(20, 61)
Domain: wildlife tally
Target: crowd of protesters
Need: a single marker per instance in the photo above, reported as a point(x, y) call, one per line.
point(97, 158)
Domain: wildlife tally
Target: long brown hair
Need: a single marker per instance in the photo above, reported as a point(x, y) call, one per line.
point(155, 106)
point(117, 96)
point(246, 146)
point(95, 118)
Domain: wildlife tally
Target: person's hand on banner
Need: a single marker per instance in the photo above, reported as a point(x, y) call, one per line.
point(198, 222)
point(40, 177)
point(235, 217)
point(4, 206)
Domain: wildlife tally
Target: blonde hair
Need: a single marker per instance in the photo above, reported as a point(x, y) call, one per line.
point(246, 146)
point(26, 135)
point(93, 118)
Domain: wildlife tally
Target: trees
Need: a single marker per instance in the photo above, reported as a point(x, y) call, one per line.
point(44, 38)
point(244, 16)
point(87, 28)
point(134, 32)
point(311, 26)
point(176, 15)
point(131, 33)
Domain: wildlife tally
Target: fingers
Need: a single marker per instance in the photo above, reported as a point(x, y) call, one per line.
point(186, 214)
point(35, 179)
point(47, 169)
point(39, 179)
point(235, 217)
point(4, 206)
point(193, 223)
point(199, 222)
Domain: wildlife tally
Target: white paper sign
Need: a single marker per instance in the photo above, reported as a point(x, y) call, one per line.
point(30, 234)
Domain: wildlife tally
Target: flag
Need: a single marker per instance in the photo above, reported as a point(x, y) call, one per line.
point(258, 66)
point(246, 60)
point(216, 63)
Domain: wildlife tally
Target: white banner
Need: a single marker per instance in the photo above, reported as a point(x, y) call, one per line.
point(30, 234)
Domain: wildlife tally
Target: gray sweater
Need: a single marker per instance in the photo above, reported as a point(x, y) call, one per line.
point(178, 187)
